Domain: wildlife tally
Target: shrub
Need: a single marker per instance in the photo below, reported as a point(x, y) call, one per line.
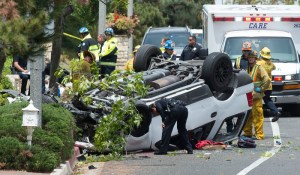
point(51, 144)
point(43, 160)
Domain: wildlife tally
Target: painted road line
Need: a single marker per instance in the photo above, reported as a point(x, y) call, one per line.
point(277, 145)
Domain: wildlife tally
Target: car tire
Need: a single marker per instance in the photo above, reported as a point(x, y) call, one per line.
point(143, 57)
point(48, 99)
point(144, 110)
point(217, 71)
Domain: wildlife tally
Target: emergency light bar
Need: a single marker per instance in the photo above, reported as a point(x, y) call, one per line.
point(256, 19)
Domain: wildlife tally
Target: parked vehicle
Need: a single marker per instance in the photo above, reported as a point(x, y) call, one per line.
point(179, 35)
point(273, 26)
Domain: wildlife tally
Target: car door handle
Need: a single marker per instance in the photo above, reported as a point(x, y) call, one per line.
point(213, 114)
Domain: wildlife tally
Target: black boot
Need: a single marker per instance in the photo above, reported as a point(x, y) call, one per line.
point(276, 117)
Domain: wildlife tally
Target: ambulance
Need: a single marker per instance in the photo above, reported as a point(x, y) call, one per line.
point(226, 27)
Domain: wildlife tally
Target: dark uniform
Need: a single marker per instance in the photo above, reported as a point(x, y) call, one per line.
point(190, 52)
point(241, 63)
point(172, 111)
point(169, 57)
point(25, 77)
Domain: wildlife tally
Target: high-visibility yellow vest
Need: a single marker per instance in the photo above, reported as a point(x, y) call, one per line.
point(92, 48)
point(108, 47)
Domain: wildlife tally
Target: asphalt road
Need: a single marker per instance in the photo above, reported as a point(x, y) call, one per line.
point(268, 158)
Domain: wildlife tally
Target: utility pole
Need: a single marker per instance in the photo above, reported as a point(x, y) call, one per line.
point(130, 14)
point(102, 16)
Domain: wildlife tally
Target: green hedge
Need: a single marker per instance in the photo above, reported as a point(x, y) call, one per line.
point(51, 144)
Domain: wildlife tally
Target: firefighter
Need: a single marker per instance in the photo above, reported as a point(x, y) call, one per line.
point(168, 54)
point(265, 62)
point(108, 55)
point(87, 44)
point(242, 61)
point(261, 82)
point(172, 111)
point(129, 63)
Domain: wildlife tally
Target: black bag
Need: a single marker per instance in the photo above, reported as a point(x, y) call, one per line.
point(174, 102)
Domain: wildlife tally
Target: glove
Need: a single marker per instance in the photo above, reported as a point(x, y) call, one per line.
point(257, 89)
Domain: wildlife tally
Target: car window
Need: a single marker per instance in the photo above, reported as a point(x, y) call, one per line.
point(282, 48)
point(180, 39)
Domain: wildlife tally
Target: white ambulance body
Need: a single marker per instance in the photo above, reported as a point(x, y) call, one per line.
point(226, 27)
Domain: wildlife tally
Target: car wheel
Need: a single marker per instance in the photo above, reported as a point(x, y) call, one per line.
point(217, 71)
point(144, 110)
point(143, 57)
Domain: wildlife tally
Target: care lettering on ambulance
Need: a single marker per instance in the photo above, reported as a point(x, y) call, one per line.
point(258, 25)
point(296, 25)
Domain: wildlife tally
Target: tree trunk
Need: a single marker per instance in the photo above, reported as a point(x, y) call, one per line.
point(56, 44)
point(2, 61)
point(56, 51)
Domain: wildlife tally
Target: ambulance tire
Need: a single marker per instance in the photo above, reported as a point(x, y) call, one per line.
point(144, 110)
point(217, 71)
point(143, 57)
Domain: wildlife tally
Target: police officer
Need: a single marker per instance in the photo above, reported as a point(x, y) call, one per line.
point(169, 50)
point(108, 55)
point(192, 50)
point(261, 82)
point(172, 111)
point(87, 43)
point(242, 61)
point(266, 63)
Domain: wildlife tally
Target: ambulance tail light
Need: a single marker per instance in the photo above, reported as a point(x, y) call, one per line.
point(277, 78)
point(290, 19)
point(222, 19)
point(257, 19)
point(249, 98)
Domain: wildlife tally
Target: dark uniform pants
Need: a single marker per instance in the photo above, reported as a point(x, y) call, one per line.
point(25, 78)
point(177, 114)
point(269, 102)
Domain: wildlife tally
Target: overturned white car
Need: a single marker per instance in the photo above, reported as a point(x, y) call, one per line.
point(213, 91)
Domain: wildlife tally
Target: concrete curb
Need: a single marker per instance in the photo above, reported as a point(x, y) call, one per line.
point(67, 168)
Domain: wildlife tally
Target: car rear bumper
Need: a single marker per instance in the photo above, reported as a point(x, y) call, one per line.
point(286, 96)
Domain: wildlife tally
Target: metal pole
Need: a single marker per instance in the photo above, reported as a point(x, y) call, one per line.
point(130, 14)
point(102, 16)
point(36, 68)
